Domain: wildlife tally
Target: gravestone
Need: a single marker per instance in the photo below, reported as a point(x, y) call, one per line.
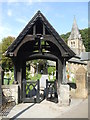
point(81, 82)
point(43, 81)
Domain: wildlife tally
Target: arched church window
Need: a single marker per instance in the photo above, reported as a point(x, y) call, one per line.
point(73, 44)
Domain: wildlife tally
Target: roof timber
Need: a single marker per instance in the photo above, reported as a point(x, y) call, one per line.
point(23, 34)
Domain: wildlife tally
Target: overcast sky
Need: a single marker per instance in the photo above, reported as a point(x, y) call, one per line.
point(15, 15)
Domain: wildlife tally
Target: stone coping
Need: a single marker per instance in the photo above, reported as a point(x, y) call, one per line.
point(8, 86)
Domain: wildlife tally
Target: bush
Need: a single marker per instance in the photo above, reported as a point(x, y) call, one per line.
point(51, 69)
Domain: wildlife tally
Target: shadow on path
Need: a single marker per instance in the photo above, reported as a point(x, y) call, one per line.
point(14, 117)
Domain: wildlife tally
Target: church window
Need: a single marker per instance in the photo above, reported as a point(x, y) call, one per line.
point(72, 44)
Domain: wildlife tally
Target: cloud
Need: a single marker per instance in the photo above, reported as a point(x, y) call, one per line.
point(21, 20)
point(9, 13)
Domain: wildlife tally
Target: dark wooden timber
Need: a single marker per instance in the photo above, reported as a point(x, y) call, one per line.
point(38, 40)
point(31, 91)
point(51, 91)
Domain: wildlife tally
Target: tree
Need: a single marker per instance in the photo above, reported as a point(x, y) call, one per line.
point(65, 36)
point(6, 62)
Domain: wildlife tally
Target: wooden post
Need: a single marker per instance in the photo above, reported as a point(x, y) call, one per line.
point(24, 92)
point(2, 77)
point(15, 73)
point(43, 29)
point(64, 72)
point(34, 29)
point(46, 88)
point(60, 75)
point(23, 77)
point(57, 69)
point(38, 89)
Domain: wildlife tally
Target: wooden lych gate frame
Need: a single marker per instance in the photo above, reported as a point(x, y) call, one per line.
point(38, 40)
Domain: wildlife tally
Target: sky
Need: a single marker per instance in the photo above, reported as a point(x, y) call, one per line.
point(14, 16)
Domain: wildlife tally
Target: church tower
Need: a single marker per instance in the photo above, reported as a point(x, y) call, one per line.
point(75, 40)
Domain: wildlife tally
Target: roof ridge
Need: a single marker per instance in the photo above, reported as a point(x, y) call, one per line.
point(37, 16)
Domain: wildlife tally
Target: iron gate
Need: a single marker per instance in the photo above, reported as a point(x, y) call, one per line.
point(31, 91)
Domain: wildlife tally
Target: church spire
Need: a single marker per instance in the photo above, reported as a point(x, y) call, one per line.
point(75, 31)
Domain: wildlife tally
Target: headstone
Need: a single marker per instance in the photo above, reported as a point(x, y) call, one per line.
point(81, 82)
point(43, 81)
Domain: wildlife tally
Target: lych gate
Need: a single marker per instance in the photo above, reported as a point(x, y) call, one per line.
point(38, 40)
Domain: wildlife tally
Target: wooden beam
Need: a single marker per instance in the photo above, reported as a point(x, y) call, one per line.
point(42, 56)
point(34, 29)
point(26, 39)
point(43, 29)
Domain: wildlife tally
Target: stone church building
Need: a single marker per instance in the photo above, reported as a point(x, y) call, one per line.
point(75, 40)
point(76, 70)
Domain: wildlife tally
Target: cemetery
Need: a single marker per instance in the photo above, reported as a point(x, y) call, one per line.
point(42, 63)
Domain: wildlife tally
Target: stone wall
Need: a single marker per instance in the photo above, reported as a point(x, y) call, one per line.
point(88, 77)
point(80, 76)
point(11, 92)
point(74, 67)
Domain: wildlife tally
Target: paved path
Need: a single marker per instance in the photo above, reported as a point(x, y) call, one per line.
point(48, 109)
point(79, 111)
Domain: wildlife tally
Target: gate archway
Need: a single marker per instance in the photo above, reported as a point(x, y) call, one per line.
point(38, 40)
point(34, 50)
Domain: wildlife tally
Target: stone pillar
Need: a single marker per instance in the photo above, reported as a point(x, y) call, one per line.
point(64, 95)
point(19, 79)
point(63, 89)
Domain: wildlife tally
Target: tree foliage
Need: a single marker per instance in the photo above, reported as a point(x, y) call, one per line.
point(65, 36)
point(5, 61)
point(85, 38)
point(51, 69)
